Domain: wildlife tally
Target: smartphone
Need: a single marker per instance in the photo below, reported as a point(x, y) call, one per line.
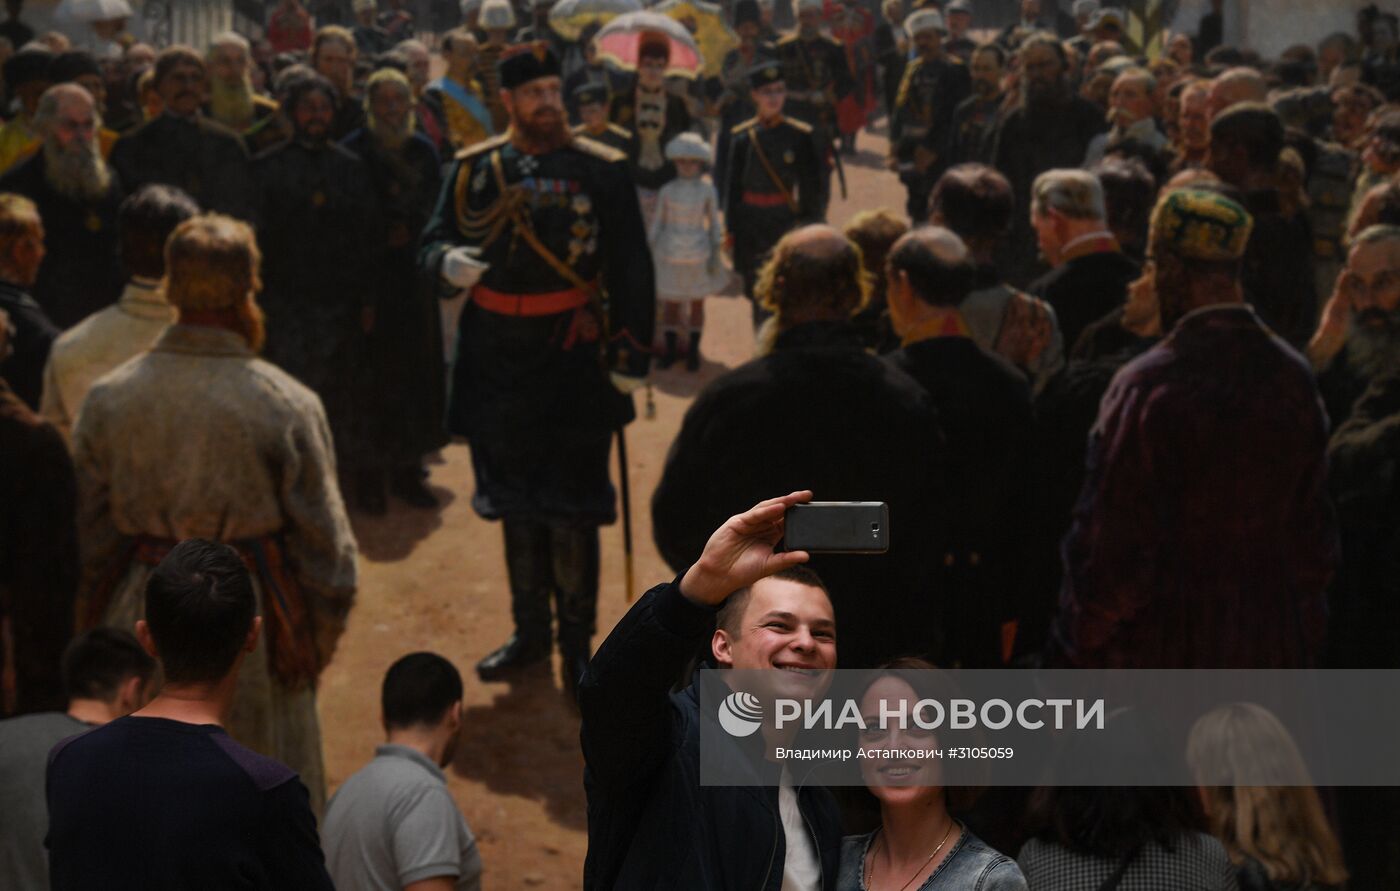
point(838, 527)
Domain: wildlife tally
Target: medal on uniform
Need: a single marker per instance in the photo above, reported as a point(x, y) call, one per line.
point(789, 157)
point(93, 222)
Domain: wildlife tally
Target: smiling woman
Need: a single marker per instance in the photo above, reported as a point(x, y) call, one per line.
point(919, 844)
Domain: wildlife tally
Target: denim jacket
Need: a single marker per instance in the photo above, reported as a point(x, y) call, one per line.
point(970, 866)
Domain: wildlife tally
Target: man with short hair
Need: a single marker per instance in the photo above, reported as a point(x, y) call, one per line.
point(975, 202)
point(1358, 339)
point(650, 823)
point(984, 412)
point(921, 127)
point(333, 56)
point(321, 232)
point(1131, 111)
point(1193, 127)
point(393, 824)
point(1239, 84)
point(232, 101)
point(107, 338)
point(77, 196)
point(106, 675)
point(164, 798)
point(264, 478)
point(1279, 279)
point(32, 332)
point(181, 147)
point(1089, 273)
point(1203, 537)
point(1049, 128)
point(815, 384)
point(975, 118)
point(459, 94)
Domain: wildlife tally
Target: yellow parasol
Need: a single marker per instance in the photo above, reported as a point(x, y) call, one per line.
point(706, 22)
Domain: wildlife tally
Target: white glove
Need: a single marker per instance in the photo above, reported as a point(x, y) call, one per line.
point(626, 384)
point(461, 268)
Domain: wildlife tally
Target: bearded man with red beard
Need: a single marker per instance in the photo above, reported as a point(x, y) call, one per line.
point(77, 195)
point(542, 227)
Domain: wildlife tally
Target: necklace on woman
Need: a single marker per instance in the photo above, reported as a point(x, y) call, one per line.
point(870, 870)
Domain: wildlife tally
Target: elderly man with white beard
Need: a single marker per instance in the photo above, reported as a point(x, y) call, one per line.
point(232, 101)
point(77, 195)
point(1358, 339)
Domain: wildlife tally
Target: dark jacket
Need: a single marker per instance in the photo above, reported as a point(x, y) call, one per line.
point(650, 822)
point(1085, 289)
point(32, 338)
point(207, 160)
point(1278, 272)
point(1203, 537)
point(81, 273)
point(820, 413)
point(984, 411)
point(38, 550)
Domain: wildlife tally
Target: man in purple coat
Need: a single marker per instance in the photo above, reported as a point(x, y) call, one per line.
point(1203, 537)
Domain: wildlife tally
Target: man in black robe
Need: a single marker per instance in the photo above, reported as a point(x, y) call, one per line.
point(32, 333)
point(77, 196)
point(406, 341)
point(822, 410)
point(38, 545)
point(318, 223)
point(181, 147)
point(551, 344)
point(1050, 128)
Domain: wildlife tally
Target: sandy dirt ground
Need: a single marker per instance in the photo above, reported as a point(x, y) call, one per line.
point(435, 580)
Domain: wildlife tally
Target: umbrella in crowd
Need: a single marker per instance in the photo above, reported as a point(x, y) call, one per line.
point(92, 10)
point(707, 23)
point(620, 42)
point(569, 18)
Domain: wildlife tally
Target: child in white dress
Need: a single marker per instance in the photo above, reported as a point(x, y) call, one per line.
point(685, 237)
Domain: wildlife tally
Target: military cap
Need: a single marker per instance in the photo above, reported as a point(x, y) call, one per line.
point(26, 66)
point(960, 6)
point(1200, 224)
point(1109, 16)
point(925, 20)
point(808, 5)
point(529, 62)
point(765, 73)
point(591, 94)
point(72, 65)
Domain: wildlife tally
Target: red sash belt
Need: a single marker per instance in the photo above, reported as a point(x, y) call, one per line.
point(765, 199)
point(546, 304)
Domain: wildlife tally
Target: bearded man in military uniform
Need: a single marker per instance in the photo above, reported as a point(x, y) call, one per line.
point(543, 230)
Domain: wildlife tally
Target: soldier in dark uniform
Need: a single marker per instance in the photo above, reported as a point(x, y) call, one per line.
point(551, 344)
point(959, 18)
point(735, 105)
point(922, 136)
point(817, 77)
point(181, 148)
point(317, 220)
point(591, 100)
point(771, 158)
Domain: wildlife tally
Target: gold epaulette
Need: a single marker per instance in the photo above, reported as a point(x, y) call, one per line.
point(743, 125)
point(592, 147)
point(786, 39)
point(801, 126)
point(619, 131)
point(485, 145)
